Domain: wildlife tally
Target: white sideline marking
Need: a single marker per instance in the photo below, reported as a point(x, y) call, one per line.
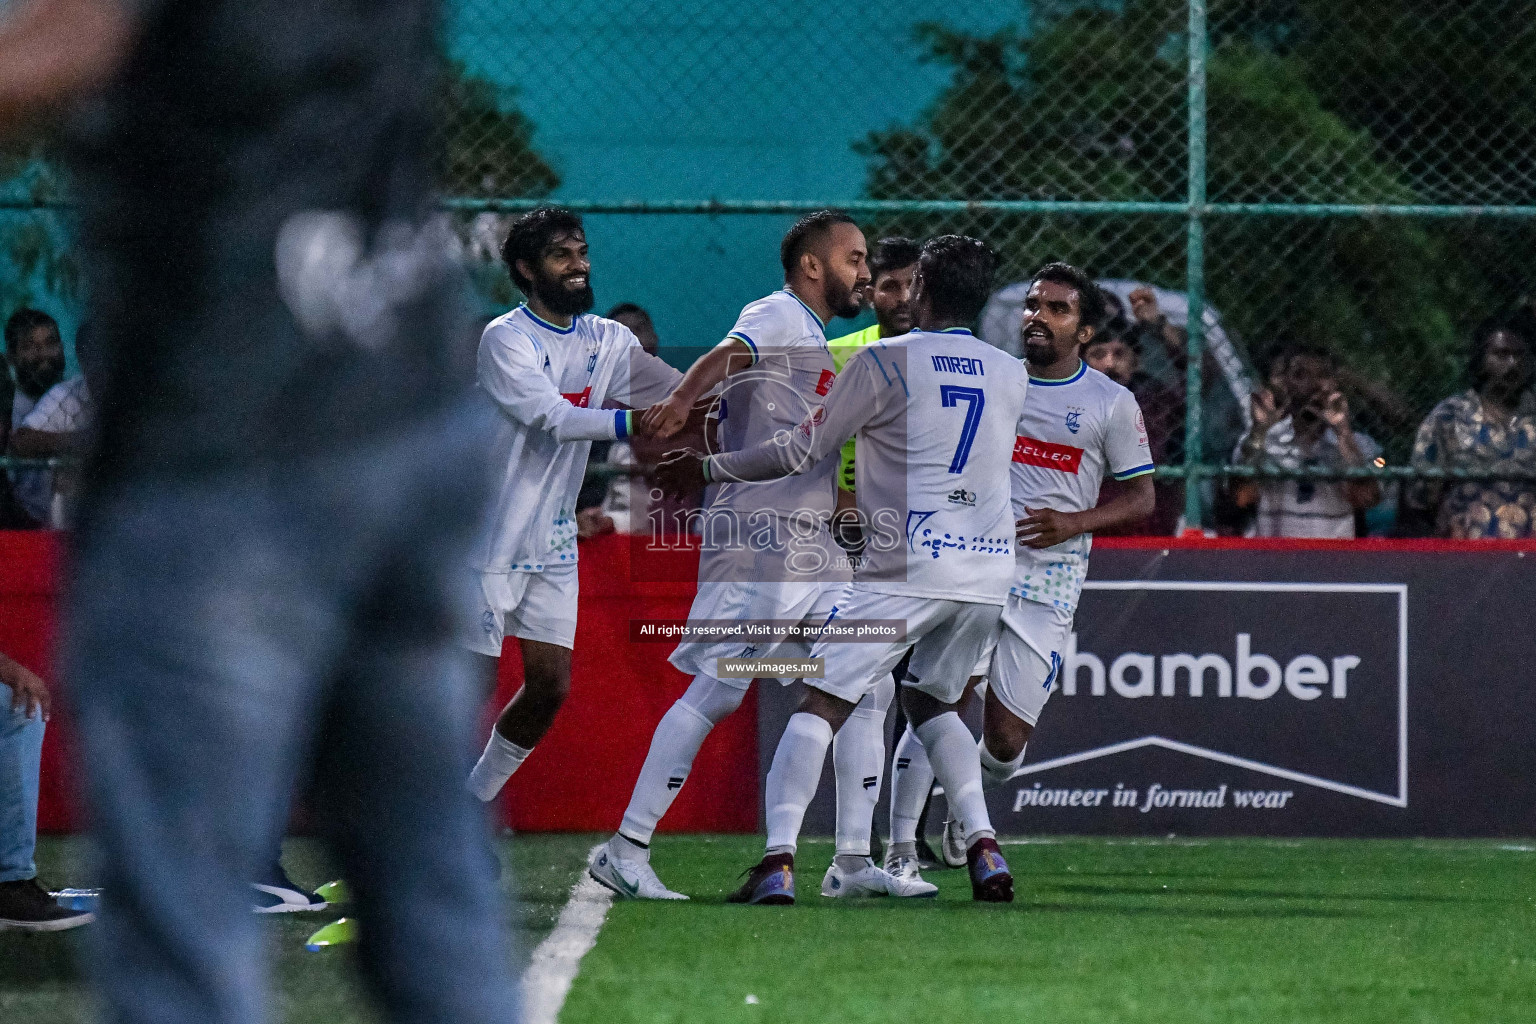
point(555, 962)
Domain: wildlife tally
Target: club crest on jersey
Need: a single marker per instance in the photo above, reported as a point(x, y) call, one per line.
point(591, 362)
point(961, 496)
point(1074, 419)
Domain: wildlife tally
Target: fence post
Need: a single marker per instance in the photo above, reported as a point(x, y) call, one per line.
point(1194, 285)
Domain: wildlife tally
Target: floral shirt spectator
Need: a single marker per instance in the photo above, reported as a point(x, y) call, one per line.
point(1459, 434)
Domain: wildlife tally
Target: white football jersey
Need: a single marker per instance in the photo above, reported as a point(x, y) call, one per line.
point(936, 415)
point(791, 372)
point(547, 383)
point(1073, 431)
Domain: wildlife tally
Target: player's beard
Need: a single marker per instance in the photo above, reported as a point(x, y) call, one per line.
point(841, 299)
point(1040, 351)
point(34, 382)
point(562, 300)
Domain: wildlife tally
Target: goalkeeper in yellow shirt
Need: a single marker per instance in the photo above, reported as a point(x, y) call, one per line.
point(892, 262)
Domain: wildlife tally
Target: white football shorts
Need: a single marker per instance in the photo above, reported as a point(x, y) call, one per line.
point(538, 606)
point(946, 638)
point(1025, 665)
point(809, 603)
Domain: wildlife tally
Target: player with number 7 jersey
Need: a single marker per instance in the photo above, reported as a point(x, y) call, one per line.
point(936, 413)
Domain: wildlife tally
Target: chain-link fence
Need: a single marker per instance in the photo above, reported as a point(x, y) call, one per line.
point(1356, 175)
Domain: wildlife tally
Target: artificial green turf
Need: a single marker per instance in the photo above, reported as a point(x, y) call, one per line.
point(40, 984)
point(1102, 930)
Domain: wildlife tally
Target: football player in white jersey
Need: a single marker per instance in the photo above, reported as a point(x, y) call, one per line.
point(936, 412)
point(768, 553)
point(1078, 426)
point(548, 366)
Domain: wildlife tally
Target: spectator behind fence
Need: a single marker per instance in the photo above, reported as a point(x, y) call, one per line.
point(34, 350)
point(1308, 428)
point(627, 503)
point(1162, 348)
point(1114, 354)
point(57, 427)
point(1490, 427)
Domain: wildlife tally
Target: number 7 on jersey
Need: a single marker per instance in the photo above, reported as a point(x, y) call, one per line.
point(951, 395)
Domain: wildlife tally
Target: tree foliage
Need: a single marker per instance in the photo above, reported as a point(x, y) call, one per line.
point(1327, 101)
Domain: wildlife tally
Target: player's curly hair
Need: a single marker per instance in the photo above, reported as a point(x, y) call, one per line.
point(531, 234)
point(1092, 310)
point(957, 275)
point(806, 232)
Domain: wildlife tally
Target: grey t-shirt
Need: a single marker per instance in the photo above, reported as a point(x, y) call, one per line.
point(237, 125)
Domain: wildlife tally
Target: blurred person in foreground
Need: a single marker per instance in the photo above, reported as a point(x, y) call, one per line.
point(24, 904)
point(1490, 427)
point(1309, 428)
point(266, 574)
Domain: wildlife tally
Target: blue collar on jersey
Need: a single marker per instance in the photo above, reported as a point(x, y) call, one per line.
point(819, 322)
point(1082, 368)
point(954, 330)
point(545, 323)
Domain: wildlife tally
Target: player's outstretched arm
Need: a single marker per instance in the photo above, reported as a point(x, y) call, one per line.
point(667, 417)
point(510, 371)
point(854, 400)
point(1046, 527)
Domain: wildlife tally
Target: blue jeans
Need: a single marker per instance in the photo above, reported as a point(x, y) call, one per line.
point(21, 754)
point(229, 634)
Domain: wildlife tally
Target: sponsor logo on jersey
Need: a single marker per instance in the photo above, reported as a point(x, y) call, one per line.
point(1034, 452)
point(961, 496)
point(1074, 419)
point(580, 399)
point(825, 383)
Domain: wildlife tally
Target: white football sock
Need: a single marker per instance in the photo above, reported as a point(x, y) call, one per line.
point(997, 772)
point(952, 752)
point(502, 757)
point(793, 778)
point(858, 759)
point(624, 848)
point(911, 782)
point(679, 735)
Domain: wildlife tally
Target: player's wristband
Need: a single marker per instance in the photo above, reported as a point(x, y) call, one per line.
point(623, 424)
point(709, 477)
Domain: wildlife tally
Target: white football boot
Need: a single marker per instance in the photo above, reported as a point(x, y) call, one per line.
point(952, 848)
point(904, 868)
point(870, 880)
point(631, 879)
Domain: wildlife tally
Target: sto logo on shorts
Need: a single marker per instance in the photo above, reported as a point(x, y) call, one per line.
point(1032, 452)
